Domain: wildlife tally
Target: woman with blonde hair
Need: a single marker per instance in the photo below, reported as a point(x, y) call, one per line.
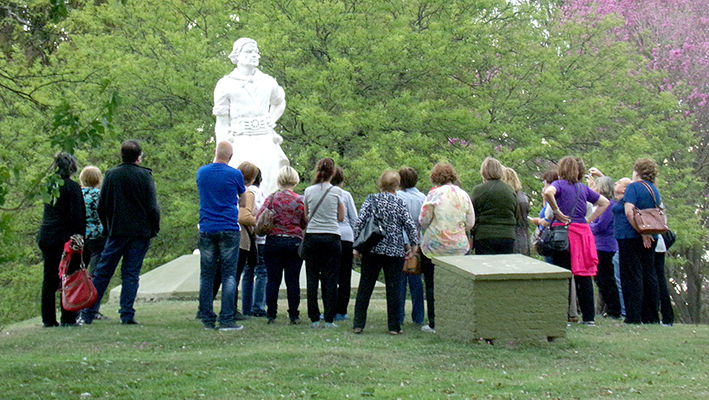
point(567, 198)
point(388, 253)
point(495, 205)
point(521, 245)
point(90, 179)
point(446, 216)
point(281, 249)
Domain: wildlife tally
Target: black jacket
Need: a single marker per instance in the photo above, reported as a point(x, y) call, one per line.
point(128, 205)
point(63, 219)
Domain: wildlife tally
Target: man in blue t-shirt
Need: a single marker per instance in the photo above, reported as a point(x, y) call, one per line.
point(220, 187)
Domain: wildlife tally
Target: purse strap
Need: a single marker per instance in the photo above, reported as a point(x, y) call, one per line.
point(320, 202)
point(652, 193)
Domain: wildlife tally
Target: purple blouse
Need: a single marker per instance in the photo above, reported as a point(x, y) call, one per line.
point(566, 196)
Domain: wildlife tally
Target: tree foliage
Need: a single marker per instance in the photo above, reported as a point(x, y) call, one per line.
point(373, 84)
point(672, 36)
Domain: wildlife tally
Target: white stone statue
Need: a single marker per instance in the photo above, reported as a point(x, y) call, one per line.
point(247, 104)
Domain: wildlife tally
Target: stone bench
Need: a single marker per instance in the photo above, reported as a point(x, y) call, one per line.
point(500, 298)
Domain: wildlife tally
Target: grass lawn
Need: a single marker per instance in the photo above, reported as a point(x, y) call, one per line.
point(170, 356)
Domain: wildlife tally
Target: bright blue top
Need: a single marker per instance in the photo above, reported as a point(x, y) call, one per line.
point(638, 195)
point(219, 187)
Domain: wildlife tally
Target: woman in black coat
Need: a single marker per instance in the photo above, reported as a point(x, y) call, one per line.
point(64, 217)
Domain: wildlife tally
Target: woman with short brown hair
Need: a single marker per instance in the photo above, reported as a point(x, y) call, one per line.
point(388, 253)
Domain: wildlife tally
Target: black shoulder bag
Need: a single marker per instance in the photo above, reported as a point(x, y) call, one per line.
point(371, 233)
point(554, 240)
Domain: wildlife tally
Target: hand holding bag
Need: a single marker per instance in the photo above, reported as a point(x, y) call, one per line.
point(554, 240)
point(649, 221)
point(264, 222)
point(371, 233)
point(302, 249)
point(78, 292)
point(412, 266)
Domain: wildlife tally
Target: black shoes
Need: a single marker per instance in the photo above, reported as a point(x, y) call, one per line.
point(130, 322)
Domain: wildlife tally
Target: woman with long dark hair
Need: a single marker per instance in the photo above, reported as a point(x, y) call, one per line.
point(323, 250)
point(65, 217)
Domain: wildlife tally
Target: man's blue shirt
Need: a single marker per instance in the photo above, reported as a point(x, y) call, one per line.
point(219, 187)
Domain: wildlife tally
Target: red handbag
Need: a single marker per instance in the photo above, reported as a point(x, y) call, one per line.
point(78, 292)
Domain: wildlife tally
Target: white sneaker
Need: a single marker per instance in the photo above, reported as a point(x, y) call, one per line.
point(329, 325)
point(427, 329)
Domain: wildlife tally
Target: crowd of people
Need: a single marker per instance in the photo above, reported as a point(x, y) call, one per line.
point(119, 215)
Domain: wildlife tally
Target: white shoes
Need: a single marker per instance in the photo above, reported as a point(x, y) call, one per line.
point(427, 329)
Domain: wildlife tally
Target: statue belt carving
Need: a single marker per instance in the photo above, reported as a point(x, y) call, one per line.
point(250, 126)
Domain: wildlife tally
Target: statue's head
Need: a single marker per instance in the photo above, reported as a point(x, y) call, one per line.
point(239, 45)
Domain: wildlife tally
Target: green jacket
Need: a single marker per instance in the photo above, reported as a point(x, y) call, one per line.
point(495, 204)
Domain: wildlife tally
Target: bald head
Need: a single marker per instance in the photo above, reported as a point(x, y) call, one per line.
point(223, 152)
point(620, 187)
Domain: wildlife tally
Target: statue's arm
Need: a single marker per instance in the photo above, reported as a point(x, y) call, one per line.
point(221, 129)
point(276, 110)
point(221, 111)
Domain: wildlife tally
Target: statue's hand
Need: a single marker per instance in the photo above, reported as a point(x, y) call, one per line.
point(277, 139)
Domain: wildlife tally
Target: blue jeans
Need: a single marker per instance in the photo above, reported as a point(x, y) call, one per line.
point(616, 271)
point(218, 253)
point(281, 255)
point(416, 285)
point(253, 285)
point(132, 250)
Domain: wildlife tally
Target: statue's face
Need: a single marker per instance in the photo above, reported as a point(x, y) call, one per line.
point(249, 55)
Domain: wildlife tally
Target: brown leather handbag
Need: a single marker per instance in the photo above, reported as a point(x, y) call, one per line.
point(650, 221)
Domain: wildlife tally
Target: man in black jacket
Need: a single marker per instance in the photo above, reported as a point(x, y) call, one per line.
point(130, 215)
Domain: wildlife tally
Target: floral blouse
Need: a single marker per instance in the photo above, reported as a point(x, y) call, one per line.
point(395, 219)
point(446, 216)
point(289, 218)
point(94, 229)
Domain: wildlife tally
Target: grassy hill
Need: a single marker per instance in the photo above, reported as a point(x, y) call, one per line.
point(170, 356)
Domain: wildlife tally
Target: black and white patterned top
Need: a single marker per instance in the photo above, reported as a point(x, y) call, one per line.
point(395, 219)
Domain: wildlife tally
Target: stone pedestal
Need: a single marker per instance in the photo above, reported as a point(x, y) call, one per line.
point(500, 298)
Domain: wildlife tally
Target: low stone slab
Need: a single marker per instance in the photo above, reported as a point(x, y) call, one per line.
point(500, 298)
point(179, 280)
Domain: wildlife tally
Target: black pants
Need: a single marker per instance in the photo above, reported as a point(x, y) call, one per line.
point(92, 252)
point(668, 315)
point(344, 280)
point(639, 281)
point(427, 269)
point(322, 264)
point(605, 279)
point(52, 257)
point(494, 246)
point(584, 288)
point(281, 257)
point(372, 264)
